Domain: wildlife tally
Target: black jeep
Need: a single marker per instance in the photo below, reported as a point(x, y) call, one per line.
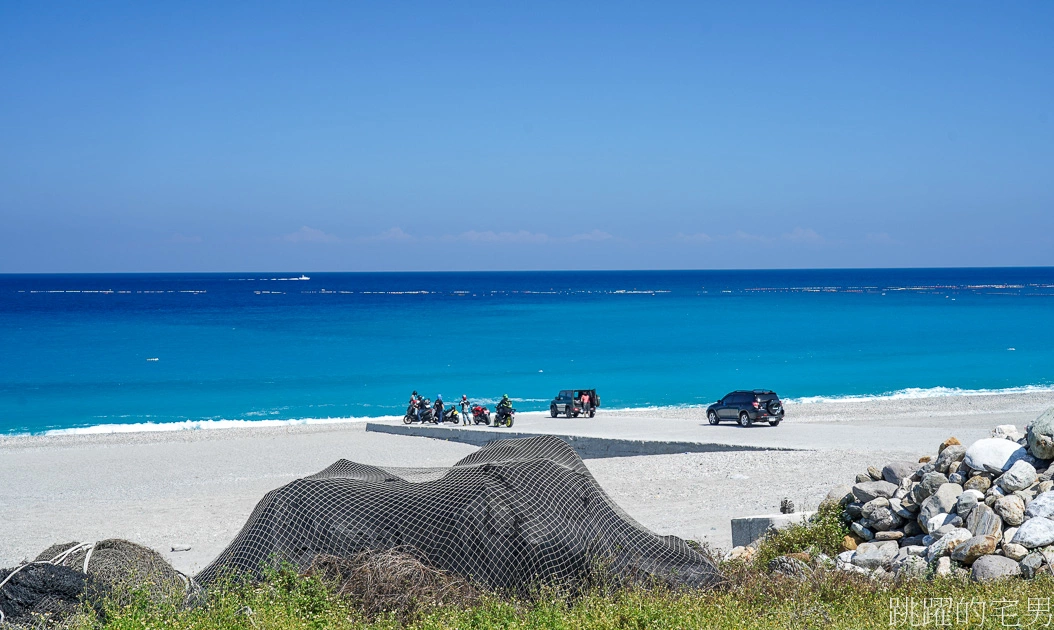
point(570, 402)
point(747, 407)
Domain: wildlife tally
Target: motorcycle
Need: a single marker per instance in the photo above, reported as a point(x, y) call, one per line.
point(451, 415)
point(480, 415)
point(504, 416)
point(411, 414)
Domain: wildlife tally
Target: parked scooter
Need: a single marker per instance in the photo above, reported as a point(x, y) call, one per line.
point(451, 415)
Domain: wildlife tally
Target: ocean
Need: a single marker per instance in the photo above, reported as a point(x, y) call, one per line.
point(114, 352)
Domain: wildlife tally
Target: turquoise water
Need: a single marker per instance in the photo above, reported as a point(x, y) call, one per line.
point(75, 350)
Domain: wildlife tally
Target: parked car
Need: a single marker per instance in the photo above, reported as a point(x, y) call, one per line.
point(747, 407)
point(569, 402)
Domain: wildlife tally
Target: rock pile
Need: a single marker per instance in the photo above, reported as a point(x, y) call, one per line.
point(986, 510)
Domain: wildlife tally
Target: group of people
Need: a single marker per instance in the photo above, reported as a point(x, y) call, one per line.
point(420, 404)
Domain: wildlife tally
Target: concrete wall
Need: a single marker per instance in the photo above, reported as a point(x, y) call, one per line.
point(747, 529)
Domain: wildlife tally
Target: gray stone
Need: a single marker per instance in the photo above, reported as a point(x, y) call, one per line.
point(844, 558)
point(973, 548)
point(951, 454)
point(956, 478)
point(896, 472)
point(965, 504)
point(1042, 506)
point(1020, 476)
point(947, 542)
point(929, 484)
point(862, 531)
point(1011, 509)
point(884, 519)
point(994, 455)
point(940, 502)
point(747, 529)
point(854, 510)
point(978, 482)
point(911, 528)
point(914, 550)
point(1014, 551)
point(863, 478)
point(1040, 435)
point(874, 473)
point(910, 568)
point(899, 509)
point(868, 510)
point(875, 555)
point(913, 541)
point(983, 521)
point(1044, 486)
point(1006, 432)
point(1030, 564)
point(839, 496)
point(1035, 532)
point(871, 490)
point(994, 567)
point(889, 535)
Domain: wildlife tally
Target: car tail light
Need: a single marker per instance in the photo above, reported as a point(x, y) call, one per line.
point(756, 405)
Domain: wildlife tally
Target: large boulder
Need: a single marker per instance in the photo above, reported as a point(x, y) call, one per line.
point(948, 456)
point(1020, 476)
point(839, 496)
point(871, 490)
point(1040, 435)
point(994, 567)
point(1034, 533)
point(1041, 507)
point(940, 502)
point(994, 455)
point(896, 472)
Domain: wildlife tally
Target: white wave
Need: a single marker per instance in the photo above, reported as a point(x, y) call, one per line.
point(922, 392)
point(205, 425)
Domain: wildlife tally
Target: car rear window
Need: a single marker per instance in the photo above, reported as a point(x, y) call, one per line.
point(767, 397)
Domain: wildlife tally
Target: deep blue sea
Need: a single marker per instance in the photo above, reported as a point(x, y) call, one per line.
point(82, 351)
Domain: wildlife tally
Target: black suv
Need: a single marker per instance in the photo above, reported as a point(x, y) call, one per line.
point(570, 403)
point(747, 407)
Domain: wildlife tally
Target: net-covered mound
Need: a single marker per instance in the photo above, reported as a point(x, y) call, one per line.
point(509, 516)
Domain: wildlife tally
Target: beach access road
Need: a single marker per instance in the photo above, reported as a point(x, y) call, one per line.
point(197, 488)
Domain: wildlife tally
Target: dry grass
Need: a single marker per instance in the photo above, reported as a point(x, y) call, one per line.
point(393, 581)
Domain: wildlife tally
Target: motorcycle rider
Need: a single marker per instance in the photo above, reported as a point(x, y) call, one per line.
point(437, 409)
point(503, 407)
point(465, 406)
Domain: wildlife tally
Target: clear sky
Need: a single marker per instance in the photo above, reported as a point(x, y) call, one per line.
point(184, 136)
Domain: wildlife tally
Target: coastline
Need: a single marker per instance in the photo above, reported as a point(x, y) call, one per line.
point(197, 487)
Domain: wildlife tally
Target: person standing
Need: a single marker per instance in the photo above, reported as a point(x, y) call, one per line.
point(465, 409)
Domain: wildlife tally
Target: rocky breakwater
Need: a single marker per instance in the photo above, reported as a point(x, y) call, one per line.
point(985, 510)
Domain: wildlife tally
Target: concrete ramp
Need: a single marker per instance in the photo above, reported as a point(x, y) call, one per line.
point(587, 447)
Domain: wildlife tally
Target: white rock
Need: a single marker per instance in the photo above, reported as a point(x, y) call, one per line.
point(944, 566)
point(1006, 432)
point(877, 554)
point(1035, 532)
point(1008, 535)
point(942, 520)
point(994, 454)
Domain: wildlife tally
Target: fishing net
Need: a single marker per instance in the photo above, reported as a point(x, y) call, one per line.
point(514, 514)
point(63, 577)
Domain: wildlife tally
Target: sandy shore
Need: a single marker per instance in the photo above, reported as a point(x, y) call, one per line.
point(196, 488)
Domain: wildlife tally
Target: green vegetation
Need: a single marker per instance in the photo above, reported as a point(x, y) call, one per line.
point(751, 597)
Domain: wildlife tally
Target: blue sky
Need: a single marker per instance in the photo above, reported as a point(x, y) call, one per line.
point(390, 136)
